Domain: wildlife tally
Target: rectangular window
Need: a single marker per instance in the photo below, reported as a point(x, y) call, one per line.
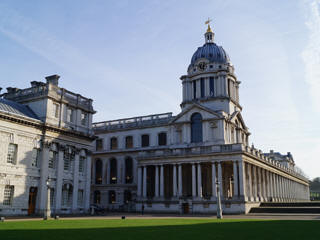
point(84, 118)
point(35, 157)
point(99, 144)
point(70, 115)
point(56, 110)
point(113, 143)
point(52, 197)
point(64, 197)
point(229, 90)
point(202, 87)
point(112, 197)
point(129, 142)
point(80, 198)
point(145, 140)
point(81, 163)
point(8, 195)
point(12, 153)
point(67, 158)
point(194, 89)
point(52, 159)
point(211, 87)
point(162, 139)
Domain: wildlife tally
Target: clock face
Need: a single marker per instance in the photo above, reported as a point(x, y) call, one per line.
point(202, 66)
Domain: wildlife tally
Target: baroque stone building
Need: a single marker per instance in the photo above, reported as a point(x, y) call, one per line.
point(166, 163)
point(45, 135)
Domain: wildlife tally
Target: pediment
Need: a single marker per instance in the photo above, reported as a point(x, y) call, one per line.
point(236, 116)
point(186, 114)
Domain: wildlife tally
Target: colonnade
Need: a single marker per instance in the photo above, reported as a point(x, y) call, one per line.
point(265, 185)
point(237, 180)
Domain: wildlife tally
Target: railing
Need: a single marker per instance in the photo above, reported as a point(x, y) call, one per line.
point(54, 91)
point(133, 122)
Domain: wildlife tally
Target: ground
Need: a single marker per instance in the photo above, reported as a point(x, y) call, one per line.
point(164, 228)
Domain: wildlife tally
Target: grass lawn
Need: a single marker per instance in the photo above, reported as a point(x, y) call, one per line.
point(154, 229)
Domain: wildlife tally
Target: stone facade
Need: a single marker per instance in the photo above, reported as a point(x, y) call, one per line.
point(50, 128)
point(166, 163)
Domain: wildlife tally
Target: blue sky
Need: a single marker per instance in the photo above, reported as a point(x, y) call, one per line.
point(128, 56)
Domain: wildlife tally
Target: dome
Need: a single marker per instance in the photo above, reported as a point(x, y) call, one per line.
point(212, 52)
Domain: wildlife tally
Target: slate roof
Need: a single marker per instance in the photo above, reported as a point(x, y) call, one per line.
point(16, 108)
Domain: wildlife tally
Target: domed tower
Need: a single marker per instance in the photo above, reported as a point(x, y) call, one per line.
point(211, 81)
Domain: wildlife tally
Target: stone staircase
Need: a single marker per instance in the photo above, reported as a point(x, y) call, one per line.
point(287, 208)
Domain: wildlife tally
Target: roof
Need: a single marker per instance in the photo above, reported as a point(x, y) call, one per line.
point(212, 52)
point(16, 109)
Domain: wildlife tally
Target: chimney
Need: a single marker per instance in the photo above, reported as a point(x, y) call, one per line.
point(53, 79)
point(12, 90)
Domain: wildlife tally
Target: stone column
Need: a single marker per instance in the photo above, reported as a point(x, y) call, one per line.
point(75, 181)
point(242, 180)
point(119, 170)
point(214, 186)
point(220, 179)
point(199, 181)
point(59, 181)
point(161, 181)
point(194, 192)
point(88, 182)
point(254, 183)
point(157, 181)
point(108, 171)
point(139, 181)
point(180, 179)
point(250, 197)
point(235, 180)
point(144, 188)
point(174, 182)
point(259, 192)
point(44, 164)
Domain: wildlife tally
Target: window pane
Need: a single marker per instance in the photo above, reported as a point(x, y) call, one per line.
point(113, 143)
point(129, 142)
point(35, 157)
point(196, 128)
point(8, 195)
point(211, 86)
point(12, 153)
point(194, 89)
point(202, 87)
point(162, 139)
point(145, 140)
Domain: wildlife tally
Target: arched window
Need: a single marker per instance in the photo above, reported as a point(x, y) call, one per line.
point(113, 171)
point(196, 128)
point(129, 142)
point(129, 170)
point(97, 197)
point(113, 143)
point(98, 171)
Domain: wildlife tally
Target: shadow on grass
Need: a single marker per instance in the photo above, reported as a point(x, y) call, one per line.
point(211, 230)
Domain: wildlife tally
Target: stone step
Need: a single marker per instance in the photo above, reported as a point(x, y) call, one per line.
point(306, 210)
point(290, 204)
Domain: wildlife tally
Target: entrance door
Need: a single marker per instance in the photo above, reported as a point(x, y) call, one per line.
point(32, 200)
point(185, 207)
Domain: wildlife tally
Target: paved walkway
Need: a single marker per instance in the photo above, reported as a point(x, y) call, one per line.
point(168, 216)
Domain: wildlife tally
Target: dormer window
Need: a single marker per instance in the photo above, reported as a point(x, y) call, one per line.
point(70, 114)
point(84, 118)
point(55, 110)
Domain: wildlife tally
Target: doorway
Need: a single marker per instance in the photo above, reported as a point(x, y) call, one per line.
point(185, 208)
point(32, 200)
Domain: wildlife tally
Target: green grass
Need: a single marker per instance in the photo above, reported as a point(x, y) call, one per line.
point(154, 229)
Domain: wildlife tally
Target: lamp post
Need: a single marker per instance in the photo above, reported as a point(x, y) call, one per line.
point(219, 210)
point(47, 212)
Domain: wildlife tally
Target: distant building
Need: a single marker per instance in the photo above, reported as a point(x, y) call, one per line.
point(45, 134)
point(166, 163)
